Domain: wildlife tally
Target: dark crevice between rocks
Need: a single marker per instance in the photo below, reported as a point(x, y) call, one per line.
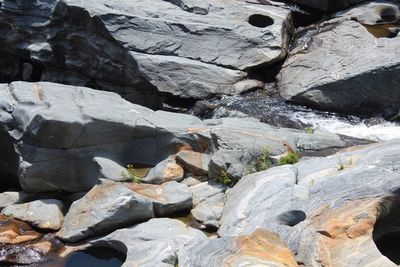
point(386, 232)
point(93, 256)
point(8, 164)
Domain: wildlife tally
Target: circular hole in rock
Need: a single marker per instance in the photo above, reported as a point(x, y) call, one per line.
point(386, 233)
point(291, 218)
point(260, 21)
point(388, 14)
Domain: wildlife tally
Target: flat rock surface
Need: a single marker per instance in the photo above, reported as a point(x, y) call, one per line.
point(325, 72)
point(44, 214)
point(282, 198)
point(260, 248)
point(153, 243)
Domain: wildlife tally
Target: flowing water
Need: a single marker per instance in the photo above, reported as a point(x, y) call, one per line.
point(274, 111)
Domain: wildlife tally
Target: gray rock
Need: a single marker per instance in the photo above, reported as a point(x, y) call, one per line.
point(165, 171)
point(194, 162)
point(110, 169)
point(10, 198)
point(260, 248)
point(281, 198)
point(44, 214)
point(244, 142)
point(168, 198)
point(104, 208)
point(58, 41)
point(182, 47)
point(153, 243)
point(312, 76)
point(373, 13)
point(188, 78)
point(63, 128)
point(111, 205)
point(208, 202)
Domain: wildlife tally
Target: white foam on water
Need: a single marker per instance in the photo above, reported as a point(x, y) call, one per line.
point(379, 132)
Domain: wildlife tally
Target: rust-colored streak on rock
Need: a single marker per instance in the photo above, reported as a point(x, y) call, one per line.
point(347, 228)
point(265, 246)
point(152, 192)
point(39, 92)
point(15, 232)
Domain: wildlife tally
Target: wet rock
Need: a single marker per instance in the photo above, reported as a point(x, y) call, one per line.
point(289, 199)
point(153, 243)
point(260, 248)
point(44, 214)
point(168, 198)
point(165, 171)
point(104, 208)
point(15, 232)
point(63, 129)
point(348, 87)
point(194, 162)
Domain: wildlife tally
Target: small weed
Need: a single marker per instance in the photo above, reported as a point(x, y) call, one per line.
point(223, 178)
point(290, 158)
point(262, 164)
point(131, 175)
point(309, 130)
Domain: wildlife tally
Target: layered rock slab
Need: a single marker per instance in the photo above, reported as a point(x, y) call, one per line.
point(59, 131)
point(44, 214)
point(110, 206)
point(285, 199)
point(153, 243)
point(189, 50)
point(260, 248)
point(324, 72)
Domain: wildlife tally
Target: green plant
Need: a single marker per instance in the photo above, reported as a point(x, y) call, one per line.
point(131, 175)
point(309, 130)
point(223, 178)
point(262, 164)
point(290, 158)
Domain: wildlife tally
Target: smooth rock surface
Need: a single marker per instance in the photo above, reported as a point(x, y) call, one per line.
point(111, 205)
point(105, 208)
point(44, 214)
point(208, 202)
point(168, 198)
point(183, 48)
point(58, 41)
point(165, 171)
point(284, 199)
point(260, 248)
point(57, 131)
point(324, 72)
point(153, 243)
point(10, 198)
point(194, 162)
